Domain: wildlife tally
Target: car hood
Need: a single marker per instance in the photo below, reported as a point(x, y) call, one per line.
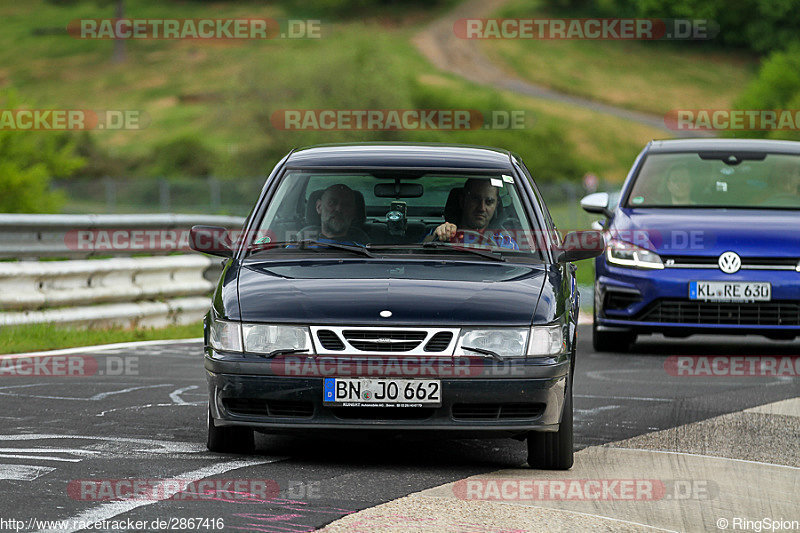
point(710, 232)
point(265, 297)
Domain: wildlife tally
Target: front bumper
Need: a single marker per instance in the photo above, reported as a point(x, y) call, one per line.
point(489, 398)
point(627, 299)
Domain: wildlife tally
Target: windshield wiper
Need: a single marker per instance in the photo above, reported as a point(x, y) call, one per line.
point(284, 351)
point(311, 244)
point(488, 254)
point(484, 351)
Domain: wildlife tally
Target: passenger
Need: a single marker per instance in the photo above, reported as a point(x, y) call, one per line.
point(478, 207)
point(785, 184)
point(337, 211)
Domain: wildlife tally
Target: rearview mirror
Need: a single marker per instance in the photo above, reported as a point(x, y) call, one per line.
point(597, 203)
point(213, 240)
point(398, 190)
point(580, 245)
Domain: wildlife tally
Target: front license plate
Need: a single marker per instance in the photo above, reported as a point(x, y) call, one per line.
point(734, 291)
point(358, 392)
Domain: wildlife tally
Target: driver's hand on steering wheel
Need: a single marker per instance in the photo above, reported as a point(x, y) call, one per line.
point(445, 232)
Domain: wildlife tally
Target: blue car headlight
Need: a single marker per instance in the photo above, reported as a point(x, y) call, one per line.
point(625, 254)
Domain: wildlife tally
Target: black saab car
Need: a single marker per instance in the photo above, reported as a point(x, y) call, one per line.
point(396, 287)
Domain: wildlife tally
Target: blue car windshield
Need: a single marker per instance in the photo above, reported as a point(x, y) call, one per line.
point(397, 211)
point(750, 181)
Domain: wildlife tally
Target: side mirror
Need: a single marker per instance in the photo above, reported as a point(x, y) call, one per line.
point(597, 203)
point(213, 240)
point(580, 245)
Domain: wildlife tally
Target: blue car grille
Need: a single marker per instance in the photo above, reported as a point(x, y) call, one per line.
point(724, 313)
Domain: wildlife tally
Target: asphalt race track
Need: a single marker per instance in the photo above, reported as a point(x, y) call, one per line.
point(146, 421)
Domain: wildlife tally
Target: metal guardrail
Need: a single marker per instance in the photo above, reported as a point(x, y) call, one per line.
point(36, 236)
point(127, 291)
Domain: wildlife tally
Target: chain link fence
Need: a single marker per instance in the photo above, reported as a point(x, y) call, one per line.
point(174, 195)
point(115, 195)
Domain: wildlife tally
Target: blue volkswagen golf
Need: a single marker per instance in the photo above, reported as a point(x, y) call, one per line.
point(703, 239)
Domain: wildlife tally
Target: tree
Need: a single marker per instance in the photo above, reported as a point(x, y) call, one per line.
point(28, 162)
point(119, 53)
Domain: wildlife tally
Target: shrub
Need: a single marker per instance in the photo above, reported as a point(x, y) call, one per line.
point(29, 160)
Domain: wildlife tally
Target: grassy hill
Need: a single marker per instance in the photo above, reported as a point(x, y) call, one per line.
point(220, 95)
point(647, 76)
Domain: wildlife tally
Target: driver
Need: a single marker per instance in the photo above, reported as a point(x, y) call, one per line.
point(478, 209)
point(679, 185)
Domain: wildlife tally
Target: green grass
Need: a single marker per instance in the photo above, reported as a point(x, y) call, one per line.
point(225, 93)
point(647, 76)
point(35, 337)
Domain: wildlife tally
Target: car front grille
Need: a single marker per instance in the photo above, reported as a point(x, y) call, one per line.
point(439, 342)
point(353, 340)
point(382, 413)
point(723, 313)
point(617, 300)
point(748, 263)
point(497, 411)
point(273, 408)
point(384, 340)
point(329, 340)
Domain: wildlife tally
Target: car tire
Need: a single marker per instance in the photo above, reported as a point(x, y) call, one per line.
point(229, 439)
point(611, 341)
point(553, 450)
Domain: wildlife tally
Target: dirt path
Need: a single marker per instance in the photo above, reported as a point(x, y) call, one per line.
point(464, 58)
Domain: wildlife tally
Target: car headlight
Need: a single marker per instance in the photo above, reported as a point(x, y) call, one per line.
point(258, 338)
point(546, 340)
point(264, 339)
point(226, 336)
point(626, 254)
point(505, 342)
point(537, 341)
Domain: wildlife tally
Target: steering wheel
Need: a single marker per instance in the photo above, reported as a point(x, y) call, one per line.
point(482, 237)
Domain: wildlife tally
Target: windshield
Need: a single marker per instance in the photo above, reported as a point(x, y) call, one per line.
point(398, 212)
point(763, 181)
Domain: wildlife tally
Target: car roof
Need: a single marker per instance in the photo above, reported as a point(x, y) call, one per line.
point(732, 145)
point(401, 155)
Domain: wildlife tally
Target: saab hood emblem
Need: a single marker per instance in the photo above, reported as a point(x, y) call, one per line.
point(730, 262)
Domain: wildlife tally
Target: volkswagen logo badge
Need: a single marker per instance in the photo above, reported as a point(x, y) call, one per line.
point(730, 262)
